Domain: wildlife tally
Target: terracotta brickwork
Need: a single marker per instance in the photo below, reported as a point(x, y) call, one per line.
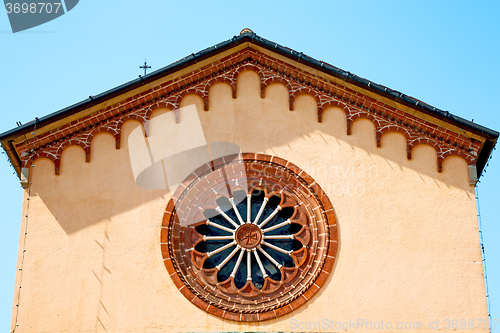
point(312, 214)
point(327, 94)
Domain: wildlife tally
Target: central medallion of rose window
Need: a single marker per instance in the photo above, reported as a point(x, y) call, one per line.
point(248, 236)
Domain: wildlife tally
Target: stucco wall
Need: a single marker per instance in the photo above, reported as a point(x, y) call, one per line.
point(408, 250)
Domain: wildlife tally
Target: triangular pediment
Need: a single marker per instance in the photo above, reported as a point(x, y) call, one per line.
point(389, 110)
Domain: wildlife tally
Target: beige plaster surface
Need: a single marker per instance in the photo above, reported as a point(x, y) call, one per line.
point(408, 251)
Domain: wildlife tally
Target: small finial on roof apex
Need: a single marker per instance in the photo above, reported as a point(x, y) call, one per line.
point(246, 30)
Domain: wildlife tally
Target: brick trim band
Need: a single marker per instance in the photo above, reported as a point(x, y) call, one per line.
point(275, 179)
point(326, 93)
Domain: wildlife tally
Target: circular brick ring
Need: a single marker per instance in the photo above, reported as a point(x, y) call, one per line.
point(249, 237)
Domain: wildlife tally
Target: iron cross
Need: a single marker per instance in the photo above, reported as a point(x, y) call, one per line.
point(145, 66)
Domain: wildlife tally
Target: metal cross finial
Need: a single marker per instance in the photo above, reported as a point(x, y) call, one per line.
point(145, 67)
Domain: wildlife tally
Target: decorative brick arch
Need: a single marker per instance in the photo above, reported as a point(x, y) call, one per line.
point(332, 104)
point(425, 141)
point(114, 131)
point(203, 94)
point(141, 117)
point(82, 143)
point(49, 156)
point(278, 293)
point(164, 104)
point(304, 91)
point(111, 130)
point(220, 79)
point(450, 152)
point(250, 67)
point(274, 79)
point(358, 115)
point(119, 125)
point(392, 128)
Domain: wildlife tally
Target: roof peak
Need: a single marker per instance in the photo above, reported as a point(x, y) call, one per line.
point(246, 31)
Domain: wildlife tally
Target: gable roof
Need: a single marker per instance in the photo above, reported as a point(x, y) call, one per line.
point(247, 36)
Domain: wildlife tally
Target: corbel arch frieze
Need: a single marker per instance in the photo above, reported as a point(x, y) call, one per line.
point(326, 94)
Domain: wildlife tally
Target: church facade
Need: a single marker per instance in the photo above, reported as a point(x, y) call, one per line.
point(249, 187)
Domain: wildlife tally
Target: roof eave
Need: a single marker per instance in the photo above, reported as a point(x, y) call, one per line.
point(253, 38)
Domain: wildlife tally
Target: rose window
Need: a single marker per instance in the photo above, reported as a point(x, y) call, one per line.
point(250, 239)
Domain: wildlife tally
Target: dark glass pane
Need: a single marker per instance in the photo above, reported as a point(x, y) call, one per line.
point(227, 208)
point(218, 257)
point(208, 246)
point(257, 278)
point(271, 269)
point(226, 271)
point(274, 201)
point(240, 200)
point(257, 200)
point(241, 274)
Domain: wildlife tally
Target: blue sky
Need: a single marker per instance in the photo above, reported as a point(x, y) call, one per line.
point(445, 53)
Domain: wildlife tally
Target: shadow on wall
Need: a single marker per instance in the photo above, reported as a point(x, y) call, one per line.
point(87, 193)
